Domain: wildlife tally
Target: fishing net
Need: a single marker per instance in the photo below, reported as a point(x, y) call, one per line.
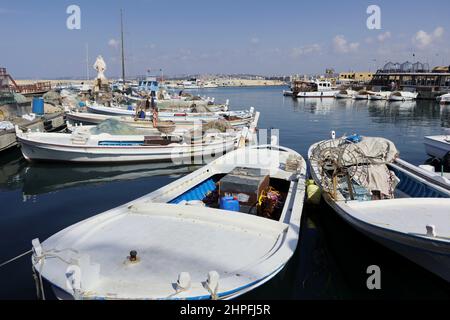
point(51, 97)
point(219, 125)
point(114, 127)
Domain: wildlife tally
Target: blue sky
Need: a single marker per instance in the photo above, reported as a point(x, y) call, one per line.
point(232, 36)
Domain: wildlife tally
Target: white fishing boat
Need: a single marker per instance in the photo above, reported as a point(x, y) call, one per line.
point(404, 207)
point(210, 85)
point(118, 143)
point(382, 95)
point(362, 95)
point(173, 116)
point(438, 147)
point(318, 88)
point(444, 99)
point(237, 120)
point(186, 240)
point(403, 96)
point(345, 94)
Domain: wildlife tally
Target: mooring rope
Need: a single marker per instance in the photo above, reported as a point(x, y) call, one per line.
point(15, 258)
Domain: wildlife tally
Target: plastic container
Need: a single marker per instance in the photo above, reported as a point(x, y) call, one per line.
point(38, 106)
point(230, 204)
point(354, 138)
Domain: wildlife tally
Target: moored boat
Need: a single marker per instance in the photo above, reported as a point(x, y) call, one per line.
point(187, 240)
point(182, 120)
point(314, 89)
point(444, 99)
point(403, 96)
point(389, 200)
point(105, 144)
point(438, 147)
point(345, 94)
point(362, 95)
point(382, 95)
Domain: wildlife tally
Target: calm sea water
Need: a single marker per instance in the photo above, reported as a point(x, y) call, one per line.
point(38, 200)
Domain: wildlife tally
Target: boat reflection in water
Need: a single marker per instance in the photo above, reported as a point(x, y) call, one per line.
point(41, 178)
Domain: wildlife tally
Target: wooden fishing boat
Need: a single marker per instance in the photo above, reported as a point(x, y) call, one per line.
point(186, 240)
point(404, 207)
point(103, 146)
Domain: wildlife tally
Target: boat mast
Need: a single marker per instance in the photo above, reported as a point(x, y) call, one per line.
point(123, 54)
point(87, 62)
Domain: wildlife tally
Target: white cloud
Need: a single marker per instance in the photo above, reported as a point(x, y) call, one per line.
point(113, 43)
point(254, 40)
point(438, 32)
point(341, 45)
point(304, 50)
point(384, 36)
point(423, 39)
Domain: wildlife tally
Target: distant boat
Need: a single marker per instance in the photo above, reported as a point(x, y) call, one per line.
point(191, 84)
point(403, 96)
point(402, 206)
point(186, 240)
point(345, 94)
point(362, 95)
point(438, 147)
point(314, 89)
point(210, 85)
point(444, 99)
point(382, 95)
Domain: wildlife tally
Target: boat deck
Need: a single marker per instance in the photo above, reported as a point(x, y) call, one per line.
point(169, 241)
point(410, 215)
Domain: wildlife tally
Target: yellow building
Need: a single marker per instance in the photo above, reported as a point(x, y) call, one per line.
point(355, 76)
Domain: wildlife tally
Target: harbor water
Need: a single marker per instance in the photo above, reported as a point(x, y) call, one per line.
point(39, 199)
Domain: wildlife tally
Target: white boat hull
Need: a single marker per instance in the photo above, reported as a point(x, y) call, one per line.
point(433, 256)
point(437, 147)
point(35, 151)
point(401, 224)
point(317, 94)
point(171, 237)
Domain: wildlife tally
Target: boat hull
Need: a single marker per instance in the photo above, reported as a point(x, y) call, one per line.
point(436, 148)
point(428, 254)
point(35, 151)
point(317, 94)
point(204, 240)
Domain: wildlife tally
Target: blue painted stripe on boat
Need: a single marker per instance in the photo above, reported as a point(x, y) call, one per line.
point(121, 143)
point(415, 188)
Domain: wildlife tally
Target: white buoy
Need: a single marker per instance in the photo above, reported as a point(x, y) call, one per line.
point(333, 134)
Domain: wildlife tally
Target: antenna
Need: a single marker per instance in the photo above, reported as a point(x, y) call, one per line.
point(87, 62)
point(123, 53)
